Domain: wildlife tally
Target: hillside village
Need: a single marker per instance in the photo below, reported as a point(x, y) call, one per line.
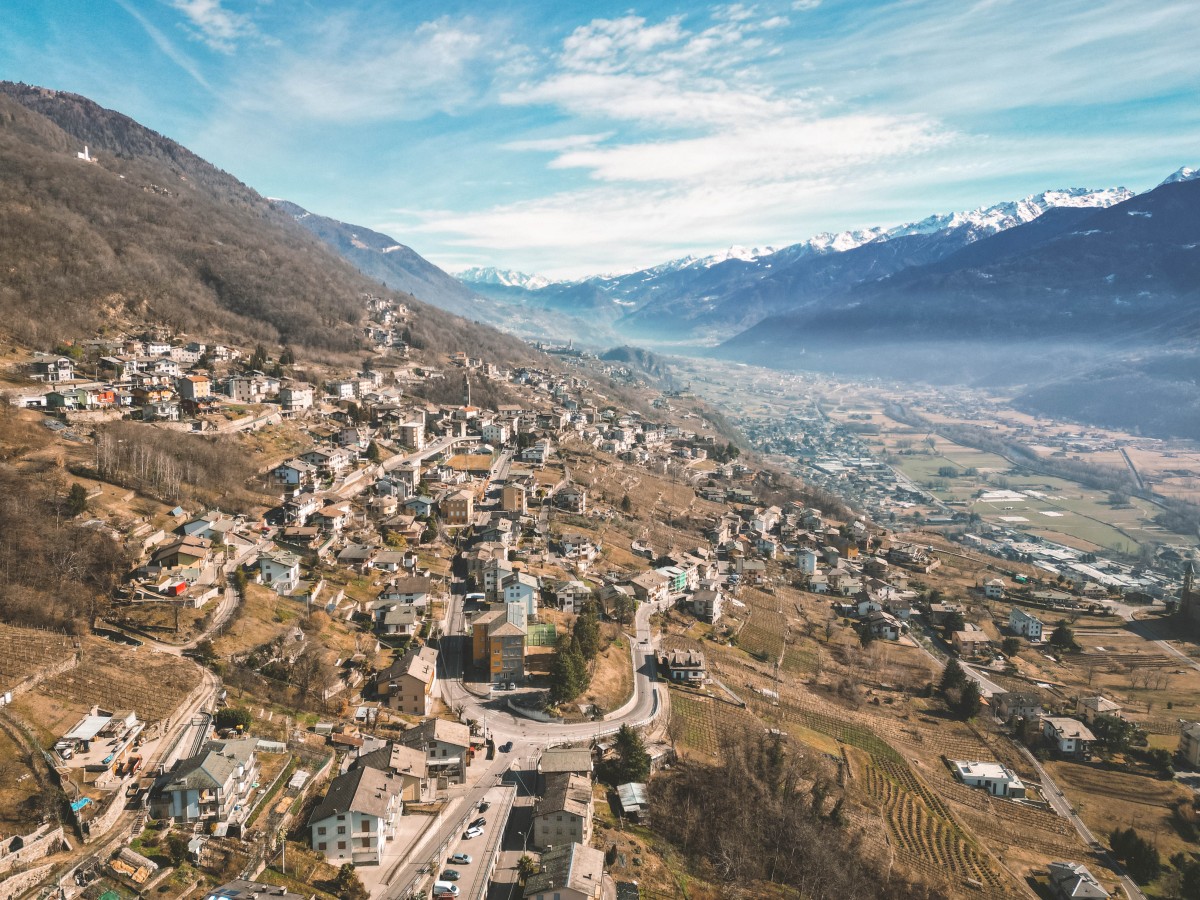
point(421, 621)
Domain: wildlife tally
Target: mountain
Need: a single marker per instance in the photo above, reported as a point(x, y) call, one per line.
point(1076, 303)
point(384, 259)
point(721, 294)
point(146, 232)
point(503, 277)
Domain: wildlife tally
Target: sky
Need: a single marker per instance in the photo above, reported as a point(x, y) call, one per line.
point(571, 138)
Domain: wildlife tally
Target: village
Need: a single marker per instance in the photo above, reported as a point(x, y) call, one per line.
point(460, 637)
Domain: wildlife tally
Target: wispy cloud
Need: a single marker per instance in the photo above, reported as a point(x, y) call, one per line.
point(215, 25)
point(163, 43)
point(342, 71)
point(558, 144)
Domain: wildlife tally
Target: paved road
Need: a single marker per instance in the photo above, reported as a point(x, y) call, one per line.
point(1060, 804)
point(505, 725)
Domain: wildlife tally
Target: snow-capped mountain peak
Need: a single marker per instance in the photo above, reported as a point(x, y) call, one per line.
point(1183, 173)
point(505, 277)
point(993, 219)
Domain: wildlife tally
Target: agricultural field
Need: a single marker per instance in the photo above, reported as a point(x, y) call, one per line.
point(113, 678)
point(27, 651)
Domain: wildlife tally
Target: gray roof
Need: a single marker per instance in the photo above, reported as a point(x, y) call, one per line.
point(573, 867)
point(566, 792)
point(393, 758)
point(443, 730)
point(212, 767)
point(364, 790)
point(565, 759)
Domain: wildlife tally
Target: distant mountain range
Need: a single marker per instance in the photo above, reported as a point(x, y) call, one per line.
point(716, 296)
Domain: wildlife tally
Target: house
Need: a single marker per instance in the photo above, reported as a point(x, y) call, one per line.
point(564, 813)
point(193, 387)
point(407, 685)
point(521, 587)
point(994, 589)
point(411, 434)
point(498, 644)
point(357, 817)
point(296, 397)
point(279, 570)
point(419, 506)
point(1025, 624)
point(413, 591)
point(188, 551)
point(241, 889)
point(555, 760)
point(458, 508)
point(329, 463)
point(1189, 742)
point(806, 561)
point(650, 587)
point(997, 780)
point(572, 498)
point(496, 433)
point(1069, 737)
point(1017, 705)
point(706, 605)
point(294, 473)
point(634, 800)
point(569, 872)
point(209, 786)
point(395, 620)
point(572, 595)
point(513, 499)
point(406, 763)
point(53, 371)
point(685, 666)
point(1073, 881)
point(447, 747)
point(1090, 707)
point(971, 643)
point(884, 625)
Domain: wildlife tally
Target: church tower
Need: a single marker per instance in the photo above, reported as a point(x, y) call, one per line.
point(466, 390)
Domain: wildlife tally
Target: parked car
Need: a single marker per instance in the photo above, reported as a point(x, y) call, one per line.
point(444, 889)
point(478, 823)
point(472, 833)
point(451, 875)
point(483, 805)
point(461, 859)
point(506, 746)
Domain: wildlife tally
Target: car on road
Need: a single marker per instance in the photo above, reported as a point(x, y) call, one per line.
point(451, 875)
point(444, 889)
point(483, 805)
point(506, 746)
point(478, 823)
point(472, 833)
point(461, 859)
point(512, 685)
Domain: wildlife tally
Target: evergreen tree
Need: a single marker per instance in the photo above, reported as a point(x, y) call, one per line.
point(568, 671)
point(953, 676)
point(632, 762)
point(586, 632)
point(967, 704)
point(373, 452)
point(77, 499)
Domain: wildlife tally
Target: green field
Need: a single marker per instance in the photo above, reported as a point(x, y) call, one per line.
point(1066, 511)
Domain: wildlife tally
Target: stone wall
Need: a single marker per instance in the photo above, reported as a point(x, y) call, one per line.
point(16, 885)
point(36, 844)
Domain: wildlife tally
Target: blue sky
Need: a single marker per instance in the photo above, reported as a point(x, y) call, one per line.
point(572, 138)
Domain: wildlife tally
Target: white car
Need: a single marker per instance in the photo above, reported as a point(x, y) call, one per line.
point(472, 833)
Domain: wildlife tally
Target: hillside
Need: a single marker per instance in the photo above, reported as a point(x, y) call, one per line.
point(149, 233)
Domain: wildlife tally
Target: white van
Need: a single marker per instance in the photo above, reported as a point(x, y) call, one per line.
point(444, 889)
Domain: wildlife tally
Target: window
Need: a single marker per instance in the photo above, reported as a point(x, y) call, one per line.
point(341, 829)
point(341, 845)
point(322, 845)
point(321, 829)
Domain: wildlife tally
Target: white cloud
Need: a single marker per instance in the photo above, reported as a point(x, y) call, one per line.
point(167, 48)
point(558, 144)
point(805, 5)
point(218, 27)
point(340, 75)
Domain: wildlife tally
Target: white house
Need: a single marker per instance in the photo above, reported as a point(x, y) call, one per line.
point(1073, 881)
point(522, 588)
point(1070, 737)
point(571, 595)
point(279, 570)
point(1025, 624)
point(997, 780)
point(357, 817)
point(994, 589)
